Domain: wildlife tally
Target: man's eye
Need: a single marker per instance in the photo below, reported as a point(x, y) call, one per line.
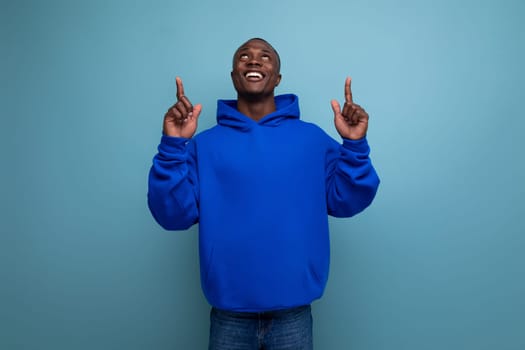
point(243, 57)
point(266, 57)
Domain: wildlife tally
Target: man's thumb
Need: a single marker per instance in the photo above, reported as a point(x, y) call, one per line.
point(196, 111)
point(335, 107)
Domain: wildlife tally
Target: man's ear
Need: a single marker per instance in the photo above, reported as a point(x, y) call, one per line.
point(278, 80)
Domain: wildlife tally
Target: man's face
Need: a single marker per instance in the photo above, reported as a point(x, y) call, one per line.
point(255, 69)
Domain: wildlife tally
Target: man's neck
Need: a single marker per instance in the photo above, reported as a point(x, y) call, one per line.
point(256, 109)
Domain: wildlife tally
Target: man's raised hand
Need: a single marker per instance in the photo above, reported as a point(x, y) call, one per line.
point(181, 119)
point(352, 121)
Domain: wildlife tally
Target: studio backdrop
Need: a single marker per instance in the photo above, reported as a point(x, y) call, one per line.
point(436, 262)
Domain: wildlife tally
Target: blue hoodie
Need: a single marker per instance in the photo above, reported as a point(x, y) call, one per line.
point(261, 193)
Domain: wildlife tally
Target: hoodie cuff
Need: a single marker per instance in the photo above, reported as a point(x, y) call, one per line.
point(170, 144)
point(359, 146)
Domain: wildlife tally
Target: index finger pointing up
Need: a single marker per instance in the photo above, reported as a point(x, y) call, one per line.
point(180, 88)
point(348, 90)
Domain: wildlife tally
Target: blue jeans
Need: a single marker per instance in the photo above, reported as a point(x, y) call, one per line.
point(289, 329)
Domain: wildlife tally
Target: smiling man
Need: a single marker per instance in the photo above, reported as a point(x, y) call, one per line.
point(261, 184)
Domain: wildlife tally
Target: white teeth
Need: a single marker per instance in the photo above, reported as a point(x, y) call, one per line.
point(254, 75)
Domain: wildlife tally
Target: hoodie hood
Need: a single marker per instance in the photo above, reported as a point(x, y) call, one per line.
point(287, 107)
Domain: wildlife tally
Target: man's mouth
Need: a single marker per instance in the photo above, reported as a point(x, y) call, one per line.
point(253, 76)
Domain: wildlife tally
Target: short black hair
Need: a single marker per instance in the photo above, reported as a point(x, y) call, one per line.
point(267, 43)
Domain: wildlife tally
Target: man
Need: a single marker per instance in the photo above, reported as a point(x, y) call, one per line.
point(261, 184)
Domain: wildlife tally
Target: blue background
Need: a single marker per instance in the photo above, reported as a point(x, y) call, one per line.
point(437, 262)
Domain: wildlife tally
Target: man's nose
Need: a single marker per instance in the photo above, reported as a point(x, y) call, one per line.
point(254, 61)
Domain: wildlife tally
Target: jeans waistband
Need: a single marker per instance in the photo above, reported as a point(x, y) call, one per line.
point(263, 314)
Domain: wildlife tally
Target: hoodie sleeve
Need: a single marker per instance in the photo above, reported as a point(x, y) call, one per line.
point(173, 184)
point(351, 182)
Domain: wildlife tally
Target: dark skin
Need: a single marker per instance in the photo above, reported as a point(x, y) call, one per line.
point(255, 75)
